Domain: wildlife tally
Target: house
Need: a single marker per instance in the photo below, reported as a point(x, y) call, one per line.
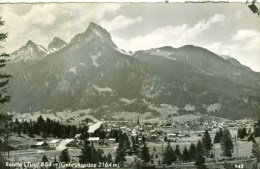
point(40, 145)
point(112, 140)
point(171, 135)
point(93, 139)
point(54, 143)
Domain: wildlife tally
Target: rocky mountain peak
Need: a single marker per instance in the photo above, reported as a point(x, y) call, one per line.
point(30, 51)
point(56, 44)
point(94, 32)
point(30, 43)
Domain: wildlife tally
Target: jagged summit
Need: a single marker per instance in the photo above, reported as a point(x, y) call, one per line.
point(94, 32)
point(56, 44)
point(30, 43)
point(30, 51)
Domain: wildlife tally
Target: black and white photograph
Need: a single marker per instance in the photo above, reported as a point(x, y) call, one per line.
point(130, 85)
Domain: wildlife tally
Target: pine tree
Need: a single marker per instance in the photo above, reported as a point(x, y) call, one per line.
point(19, 130)
point(104, 158)
point(30, 130)
point(243, 133)
point(48, 127)
point(206, 143)
point(226, 143)
point(120, 151)
point(44, 159)
point(17, 122)
point(133, 142)
point(200, 160)
point(168, 155)
point(185, 155)
point(64, 156)
point(24, 127)
point(73, 131)
point(218, 136)
point(109, 158)
point(4, 78)
point(1, 146)
point(94, 154)
point(143, 139)
point(40, 121)
point(165, 139)
point(137, 140)
point(145, 154)
point(127, 144)
point(53, 164)
point(86, 153)
point(100, 153)
point(192, 152)
point(177, 152)
point(239, 131)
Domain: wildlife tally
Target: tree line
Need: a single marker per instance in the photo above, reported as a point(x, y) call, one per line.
point(49, 128)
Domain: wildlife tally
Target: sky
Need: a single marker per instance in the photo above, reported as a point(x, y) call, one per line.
point(224, 28)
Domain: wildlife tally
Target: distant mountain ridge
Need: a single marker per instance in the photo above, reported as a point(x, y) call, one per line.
point(28, 52)
point(91, 72)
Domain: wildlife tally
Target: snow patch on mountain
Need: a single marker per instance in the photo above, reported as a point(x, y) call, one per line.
point(42, 49)
point(162, 53)
point(213, 107)
point(126, 52)
point(82, 64)
point(189, 107)
point(100, 89)
point(73, 70)
point(246, 100)
point(127, 101)
point(94, 59)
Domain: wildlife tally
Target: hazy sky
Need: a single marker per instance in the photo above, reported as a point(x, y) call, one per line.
point(226, 29)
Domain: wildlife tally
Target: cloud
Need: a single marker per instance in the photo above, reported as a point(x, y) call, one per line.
point(245, 34)
point(222, 49)
point(44, 21)
point(120, 22)
point(171, 35)
point(250, 39)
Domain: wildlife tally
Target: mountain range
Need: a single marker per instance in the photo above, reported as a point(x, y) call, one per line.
point(91, 72)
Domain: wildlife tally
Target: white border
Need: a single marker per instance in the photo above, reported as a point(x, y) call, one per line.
point(124, 1)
